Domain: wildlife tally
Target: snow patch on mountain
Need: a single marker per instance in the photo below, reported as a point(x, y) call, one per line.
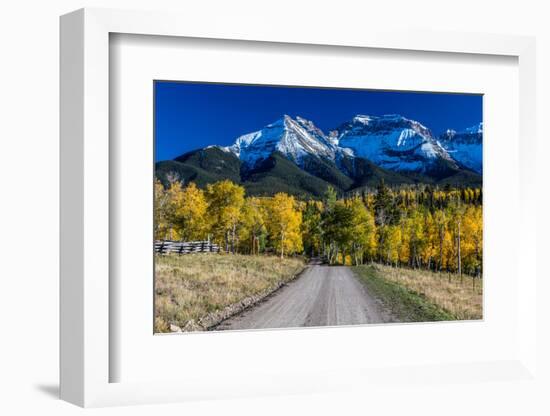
point(295, 139)
point(392, 142)
point(466, 146)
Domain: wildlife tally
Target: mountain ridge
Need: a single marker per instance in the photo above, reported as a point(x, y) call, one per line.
point(358, 153)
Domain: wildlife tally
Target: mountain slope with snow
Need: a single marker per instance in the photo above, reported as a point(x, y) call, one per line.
point(293, 155)
point(393, 142)
point(465, 147)
point(294, 138)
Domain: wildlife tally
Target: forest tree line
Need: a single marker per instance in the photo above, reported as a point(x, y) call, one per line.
point(427, 227)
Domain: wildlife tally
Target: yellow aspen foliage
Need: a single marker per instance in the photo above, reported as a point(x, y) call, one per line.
point(472, 227)
point(429, 246)
point(438, 238)
point(173, 195)
point(390, 240)
point(449, 254)
point(437, 228)
point(225, 201)
point(161, 212)
point(394, 239)
point(363, 240)
point(405, 243)
point(252, 228)
point(283, 222)
point(417, 238)
point(189, 212)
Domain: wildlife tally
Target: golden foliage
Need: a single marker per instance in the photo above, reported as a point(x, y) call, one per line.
point(435, 229)
point(284, 221)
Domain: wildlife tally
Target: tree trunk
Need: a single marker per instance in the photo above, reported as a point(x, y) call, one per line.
point(233, 238)
point(441, 236)
point(227, 241)
point(459, 259)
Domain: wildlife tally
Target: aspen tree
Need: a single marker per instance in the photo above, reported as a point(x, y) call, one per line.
point(252, 225)
point(225, 201)
point(190, 212)
point(283, 224)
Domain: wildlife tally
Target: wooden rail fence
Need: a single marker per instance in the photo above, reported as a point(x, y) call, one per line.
point(185, 247)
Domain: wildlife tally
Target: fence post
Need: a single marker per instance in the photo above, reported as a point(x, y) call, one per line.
point(182, 247)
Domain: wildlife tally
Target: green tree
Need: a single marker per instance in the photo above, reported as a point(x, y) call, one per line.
point(330, 198)
point(312, 233)
point(382, 204)
point(338, 229)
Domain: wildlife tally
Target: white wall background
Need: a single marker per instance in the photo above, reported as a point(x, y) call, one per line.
point(29, 206)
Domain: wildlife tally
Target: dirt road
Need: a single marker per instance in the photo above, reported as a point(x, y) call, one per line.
point(322, 295)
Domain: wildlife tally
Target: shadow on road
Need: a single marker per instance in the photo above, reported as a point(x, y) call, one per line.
point(316, 261)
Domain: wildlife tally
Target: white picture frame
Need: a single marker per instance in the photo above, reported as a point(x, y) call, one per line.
point(86, 356)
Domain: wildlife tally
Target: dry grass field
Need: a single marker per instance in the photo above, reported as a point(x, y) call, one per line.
point(461, 298)
point(192, 287)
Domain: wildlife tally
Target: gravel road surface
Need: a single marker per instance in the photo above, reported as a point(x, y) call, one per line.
point(321, 296)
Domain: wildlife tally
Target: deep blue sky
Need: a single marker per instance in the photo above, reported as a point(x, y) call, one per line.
point(190, 115)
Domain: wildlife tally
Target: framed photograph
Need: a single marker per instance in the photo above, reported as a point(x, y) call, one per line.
point(376, 219)
point(340, 205)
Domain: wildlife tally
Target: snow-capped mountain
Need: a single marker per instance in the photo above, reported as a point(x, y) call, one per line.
point(293, 155)
point(392, 142)
point(294, 138)
point(466, 147)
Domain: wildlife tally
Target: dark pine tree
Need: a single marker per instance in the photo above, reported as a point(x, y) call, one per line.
point(382, 204)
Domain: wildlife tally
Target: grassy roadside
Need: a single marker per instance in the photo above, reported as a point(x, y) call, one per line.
point(420, 296)
point(193, 287)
